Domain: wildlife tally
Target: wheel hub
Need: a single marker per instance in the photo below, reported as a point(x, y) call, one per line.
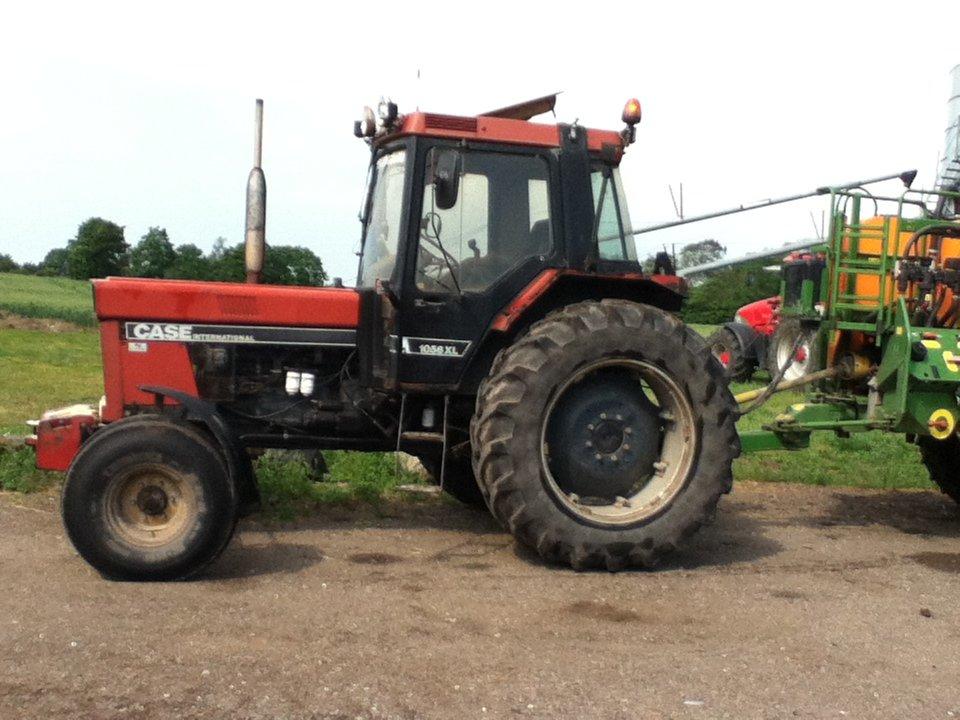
point(608, 435)
point(618, 441)
point(152, 500)
point(603, 438)
point(151, 505)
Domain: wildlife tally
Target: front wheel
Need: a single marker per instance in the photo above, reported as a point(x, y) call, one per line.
point(604, 436)
point(149, 498)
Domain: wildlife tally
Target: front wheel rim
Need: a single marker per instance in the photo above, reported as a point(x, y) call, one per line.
point(678, 446)
point(151, 506)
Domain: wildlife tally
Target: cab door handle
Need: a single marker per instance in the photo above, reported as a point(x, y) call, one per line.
point(428, 304)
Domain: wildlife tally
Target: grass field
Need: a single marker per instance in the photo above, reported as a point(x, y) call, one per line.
point(47, 297)
point(40, 370)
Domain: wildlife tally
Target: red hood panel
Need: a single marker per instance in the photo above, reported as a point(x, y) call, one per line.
point(225, 303)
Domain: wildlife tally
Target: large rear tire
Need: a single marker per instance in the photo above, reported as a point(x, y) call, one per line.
point(604, 436)
point(149, 498)
point(942, 458)
point(728, 351)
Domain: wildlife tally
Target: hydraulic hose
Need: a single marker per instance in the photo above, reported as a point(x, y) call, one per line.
point(763, 394)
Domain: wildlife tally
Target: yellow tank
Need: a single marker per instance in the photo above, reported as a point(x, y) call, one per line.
point(869, 243)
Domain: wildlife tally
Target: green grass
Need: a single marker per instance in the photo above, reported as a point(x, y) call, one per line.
point(47, 297)
point(289, 489)
point(873, 459)
point(42, 370)
point(19, 474)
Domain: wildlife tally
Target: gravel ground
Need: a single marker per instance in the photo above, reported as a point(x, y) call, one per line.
point(798, 602)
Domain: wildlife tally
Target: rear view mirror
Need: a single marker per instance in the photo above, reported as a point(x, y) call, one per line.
point(446, 178)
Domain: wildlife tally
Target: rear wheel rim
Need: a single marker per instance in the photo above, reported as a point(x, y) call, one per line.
point(151, 506)
point(677, 447)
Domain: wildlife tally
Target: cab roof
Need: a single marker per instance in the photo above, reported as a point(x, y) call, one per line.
point(488, 128)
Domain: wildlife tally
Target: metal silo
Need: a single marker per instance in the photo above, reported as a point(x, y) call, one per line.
point(950, 164)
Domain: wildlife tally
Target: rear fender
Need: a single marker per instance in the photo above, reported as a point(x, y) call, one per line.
point(554, 289)
point(752, 343)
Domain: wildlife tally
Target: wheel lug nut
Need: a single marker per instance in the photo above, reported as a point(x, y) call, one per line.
point(626, 446)
point(590, 427)
point(666, 416)
point(603, 416)
point(628, 431)
point(659, 466)
point(613, 458)
point(620, 418)
point(589, 444)
point(621, 502)
point(598, 456)
point(573, 497)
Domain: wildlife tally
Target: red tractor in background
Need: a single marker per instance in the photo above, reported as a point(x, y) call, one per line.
point(761, 337)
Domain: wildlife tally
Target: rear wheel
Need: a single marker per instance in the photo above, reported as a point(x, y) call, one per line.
point(605, 435)
point(942, 458)
point(782, 349)
point(149, 499)
point(729, 353)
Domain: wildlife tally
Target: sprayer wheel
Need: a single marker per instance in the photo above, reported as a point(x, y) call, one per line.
point(942, 458)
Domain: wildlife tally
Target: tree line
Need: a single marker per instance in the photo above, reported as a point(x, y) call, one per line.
point(100, 249)
point(716, 296)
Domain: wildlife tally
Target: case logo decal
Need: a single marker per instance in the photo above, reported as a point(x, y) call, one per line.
point(139, 332)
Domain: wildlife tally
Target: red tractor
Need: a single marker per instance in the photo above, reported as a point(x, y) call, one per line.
point(762, 336)
point(501, 329)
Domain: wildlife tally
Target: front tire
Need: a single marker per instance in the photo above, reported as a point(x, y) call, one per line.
point(148, 498)
point(604, 436)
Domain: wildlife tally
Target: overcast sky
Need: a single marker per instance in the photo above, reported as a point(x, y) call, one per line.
point(144, 117)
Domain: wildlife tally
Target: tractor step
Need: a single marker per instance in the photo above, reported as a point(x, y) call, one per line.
point(420, 436)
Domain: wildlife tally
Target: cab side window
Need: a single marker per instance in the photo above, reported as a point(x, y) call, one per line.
point(612, 226)
point(500, 218)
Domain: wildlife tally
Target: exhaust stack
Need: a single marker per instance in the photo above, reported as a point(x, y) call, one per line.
point(255, 243)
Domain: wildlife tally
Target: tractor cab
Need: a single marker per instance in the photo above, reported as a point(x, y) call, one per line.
point(463, 214)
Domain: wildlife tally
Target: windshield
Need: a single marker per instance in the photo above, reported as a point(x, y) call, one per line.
point(612, 226)
point(382, 234)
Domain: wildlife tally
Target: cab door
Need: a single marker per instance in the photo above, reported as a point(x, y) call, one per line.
point(478, 244)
